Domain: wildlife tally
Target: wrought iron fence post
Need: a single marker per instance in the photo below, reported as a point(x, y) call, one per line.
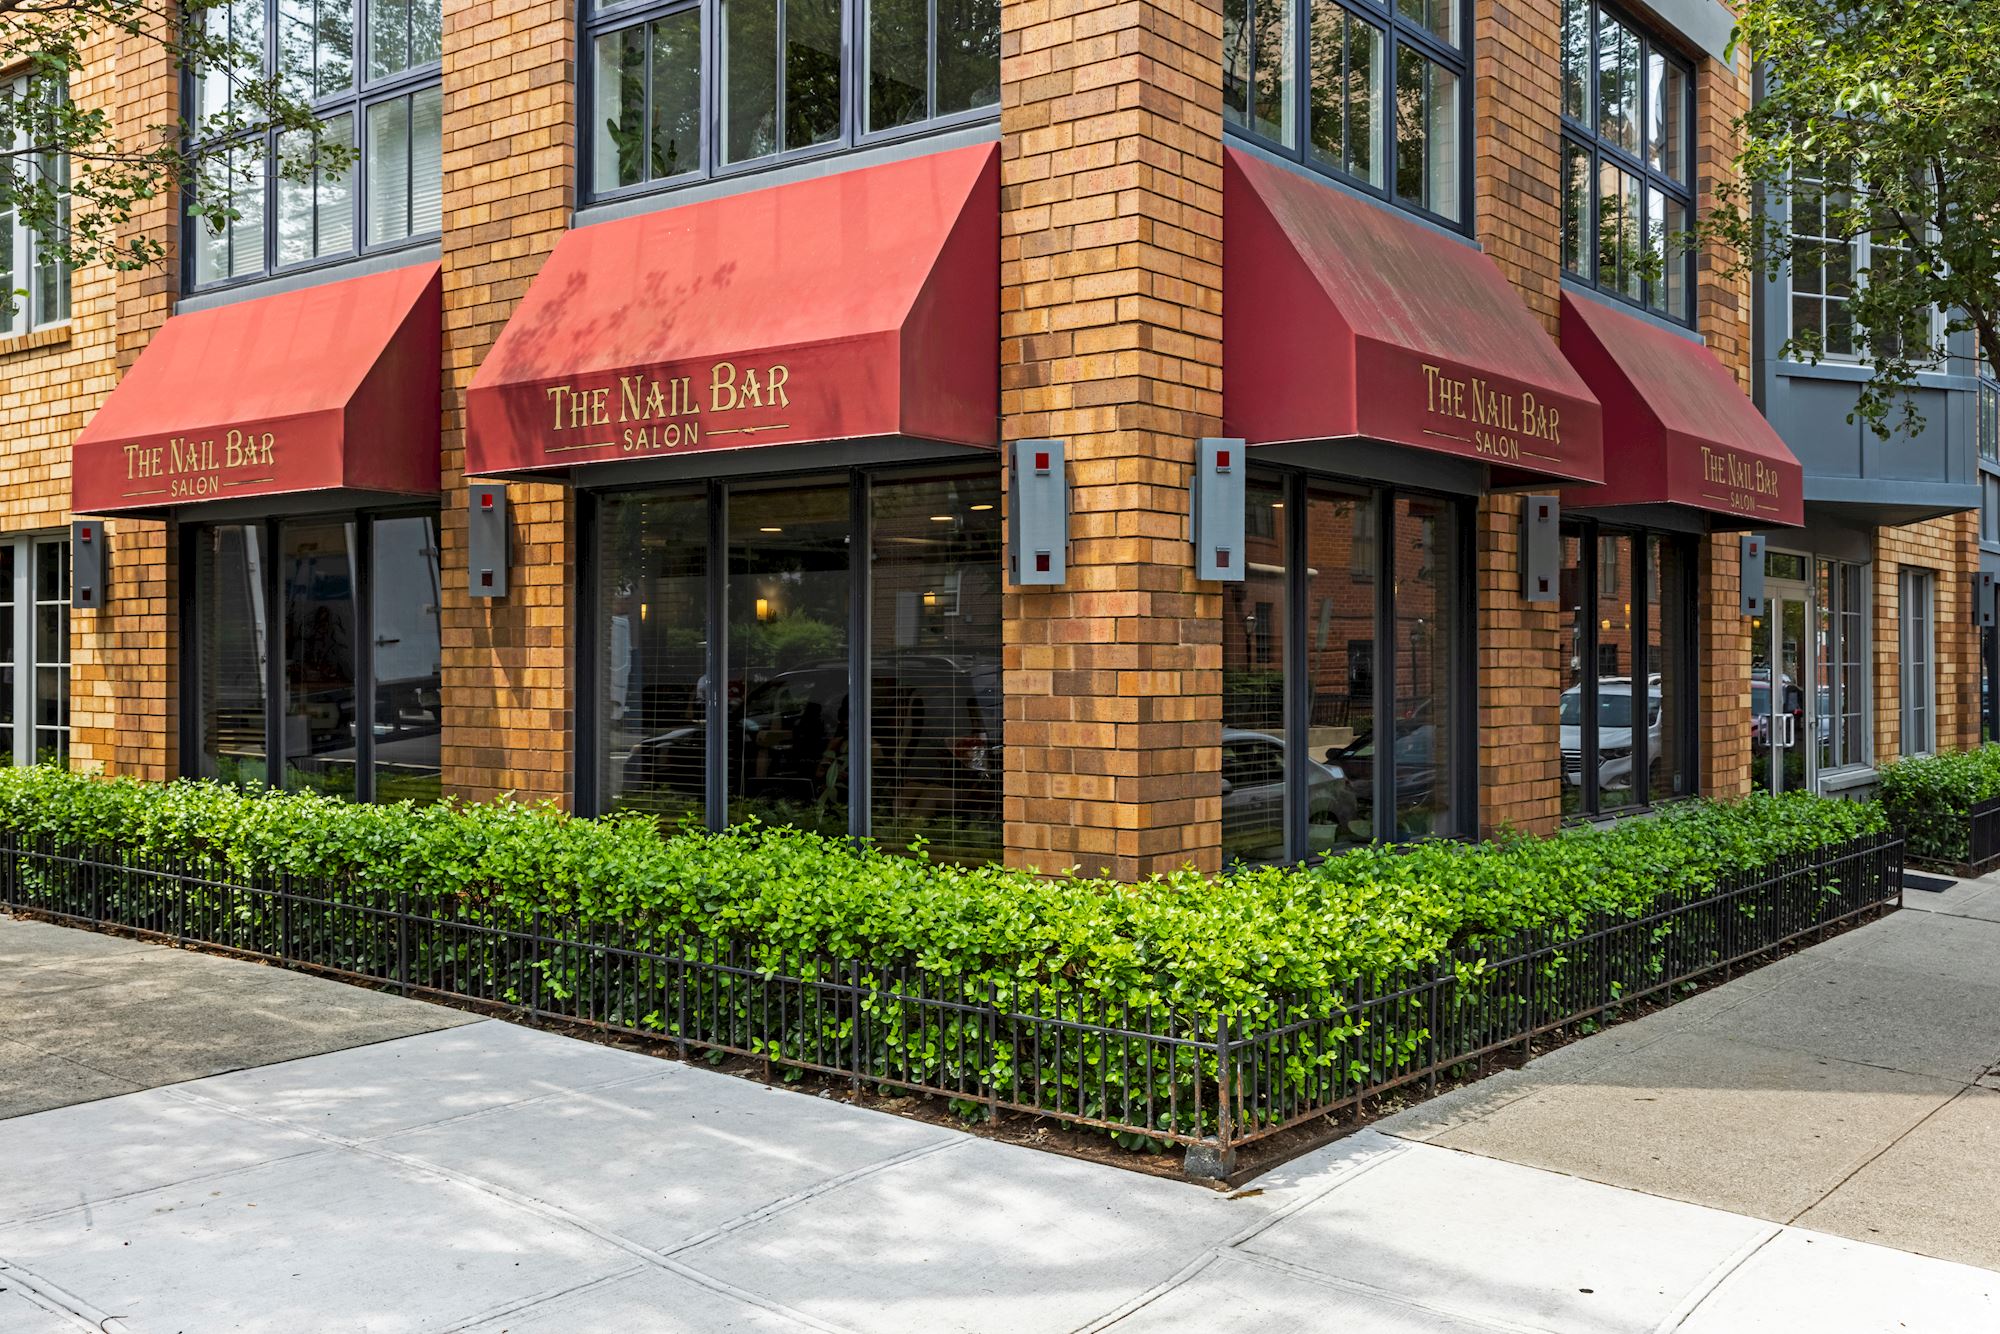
point(991, 1020)
point(1214, 1160)
point(403, 939)
point(534, 962)
point(854, 1029)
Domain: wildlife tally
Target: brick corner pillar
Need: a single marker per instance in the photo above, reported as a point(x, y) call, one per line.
point(509, 173)
point(1722, 303)
point(1516, 188)
point(124, 658)
point(1111, 305)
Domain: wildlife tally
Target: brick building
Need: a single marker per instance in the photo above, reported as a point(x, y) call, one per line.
point(627, 428)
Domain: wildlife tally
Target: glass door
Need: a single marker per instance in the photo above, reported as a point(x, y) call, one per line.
point(1782, 722)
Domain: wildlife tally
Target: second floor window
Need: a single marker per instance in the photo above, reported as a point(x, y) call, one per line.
point(783, 81)
point(1838, 242)
point(1383, 100)
point(32, 273)
point(370, 69)
point(1627, 146)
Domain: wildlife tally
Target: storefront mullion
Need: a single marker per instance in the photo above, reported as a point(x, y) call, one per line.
point(1383, 560)
point(1295, 712)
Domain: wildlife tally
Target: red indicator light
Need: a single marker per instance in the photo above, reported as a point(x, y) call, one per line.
point(1041, 461)
point(1222, 460)
point(486, 578)
point(1042, 562)
point(486, 500)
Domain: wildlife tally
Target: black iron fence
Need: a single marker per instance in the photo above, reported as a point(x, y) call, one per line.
point(1983, 836)
point(1020, 1040)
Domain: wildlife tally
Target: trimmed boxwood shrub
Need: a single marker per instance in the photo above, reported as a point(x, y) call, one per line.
point(1930, 799)
point(1180, 950)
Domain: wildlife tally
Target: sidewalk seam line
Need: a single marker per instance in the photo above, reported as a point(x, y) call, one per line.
point(57, 1300)
point(1385, 1295)
point(1716, 1277)
point(1869, 1161)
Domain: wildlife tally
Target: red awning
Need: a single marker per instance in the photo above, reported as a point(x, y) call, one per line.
point(864, 303)
point(1342, 320)
point(1679, 428)
point(332, 387)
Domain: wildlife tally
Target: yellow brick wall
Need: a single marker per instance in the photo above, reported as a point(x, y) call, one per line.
point(509, 172)
point(1111, 307)
point(1949, 548)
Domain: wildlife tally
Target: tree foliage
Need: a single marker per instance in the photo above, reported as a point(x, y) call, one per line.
point(78, 177)
point(1881, 118)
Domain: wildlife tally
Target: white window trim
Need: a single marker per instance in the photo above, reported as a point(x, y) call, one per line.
point(1861, 248)
point(26, 246)
point(1824, 601)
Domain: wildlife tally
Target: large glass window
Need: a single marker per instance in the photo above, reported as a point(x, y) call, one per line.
point(1626, 715)
point(386, 109)
point(1380, 103)
point(34, 649)
point(782, 86)
point(34, 282)
point(1343, 703)
point(906, 564)
point(1919, 661)
point(1838, 241)
point(1842, 675)
point(1628, 149)
point(316, 640)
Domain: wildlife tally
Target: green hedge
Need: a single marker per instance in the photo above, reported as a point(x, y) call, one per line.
point(1179, 954)
point(1237, 942)
point(1931, 799)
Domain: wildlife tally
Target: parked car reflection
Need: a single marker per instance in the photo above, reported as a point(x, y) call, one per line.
point(1614, 731)
point(1253, 796)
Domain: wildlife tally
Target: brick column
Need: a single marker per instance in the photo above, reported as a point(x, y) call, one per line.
point(124, 659)
point(1517, 191)
point(1723, 314)
point(1949, 549)
point(509, 172)
point(1111, 301)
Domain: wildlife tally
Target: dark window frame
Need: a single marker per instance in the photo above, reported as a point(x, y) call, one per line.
point(587, 587)
point(1687, 726)
point(594, 22)
point(1460, 676)
point(355, 101)
point(1584, 134)
point(189, 658)
point(1397, 31)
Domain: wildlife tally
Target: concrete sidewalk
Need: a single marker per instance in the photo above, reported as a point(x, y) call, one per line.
point(1853, 1088)
point(489, 1178)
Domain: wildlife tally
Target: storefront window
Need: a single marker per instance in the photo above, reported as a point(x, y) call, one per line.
point(1627, 188)
point(1254, 619)
point(1308, 764)
point(789, 610)
point(1339, 114)
point(1842, 680)
point(1626, 716)
point(780, 89)
point(1918, 590)
point(230, 677)
point(789, 737)
point(357, 713)
point(34, 650)
point(324, 209)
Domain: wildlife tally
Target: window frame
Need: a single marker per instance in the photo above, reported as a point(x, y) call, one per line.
point(28, 662)
point(596, 21)
point(587, 586)
point(26, 243)
point(1397, 32)
point(191, 668)
point(1589, 533)
point(1461, 733)
point(1917, 592)
point(1861, 251)
point(356, 100)
point(1830, 580)
point(1584, 134)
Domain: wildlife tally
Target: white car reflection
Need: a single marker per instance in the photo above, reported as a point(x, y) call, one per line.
point(1614, 731)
